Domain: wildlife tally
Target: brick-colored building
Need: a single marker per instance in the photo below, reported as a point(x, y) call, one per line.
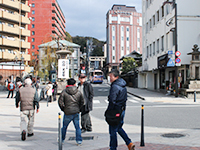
point(123, 32)
point(48, 21)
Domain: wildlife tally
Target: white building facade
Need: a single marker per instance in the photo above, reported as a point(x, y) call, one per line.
point(159, 42)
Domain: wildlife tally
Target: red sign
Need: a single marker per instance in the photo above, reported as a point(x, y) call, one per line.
point(178, 60)
point(178, 53)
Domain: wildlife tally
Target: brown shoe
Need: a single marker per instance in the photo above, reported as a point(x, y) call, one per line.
point(131, 146)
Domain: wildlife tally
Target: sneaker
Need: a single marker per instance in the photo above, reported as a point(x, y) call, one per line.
point(78, 143)
point(23, 135)
point(131, 146)
point(29, 135)
point(83, 130)
point(89, 130)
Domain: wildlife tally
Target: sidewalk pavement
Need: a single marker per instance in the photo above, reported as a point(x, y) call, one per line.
point(154, 96)
point(46, 131)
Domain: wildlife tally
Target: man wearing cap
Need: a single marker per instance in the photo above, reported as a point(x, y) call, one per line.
point(117, 100)
point(87, 91)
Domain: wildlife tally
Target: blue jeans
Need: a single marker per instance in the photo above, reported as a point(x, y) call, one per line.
point(113, 133)
point(66, 120)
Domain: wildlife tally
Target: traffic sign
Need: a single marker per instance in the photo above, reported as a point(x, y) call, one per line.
point(178, 60)
point(170, 52)
point(178, 53)
point(170, 63)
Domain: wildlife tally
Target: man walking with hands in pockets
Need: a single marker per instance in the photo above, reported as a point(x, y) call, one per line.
point(117, 101)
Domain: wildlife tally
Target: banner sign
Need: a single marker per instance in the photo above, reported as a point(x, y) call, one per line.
point(63, 68)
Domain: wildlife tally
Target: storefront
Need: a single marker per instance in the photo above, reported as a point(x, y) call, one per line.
point(162, 64)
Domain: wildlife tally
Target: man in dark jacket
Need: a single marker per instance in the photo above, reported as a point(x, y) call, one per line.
point(87, 91)
point(117, 100)
point(70, 102)
point(28, 98)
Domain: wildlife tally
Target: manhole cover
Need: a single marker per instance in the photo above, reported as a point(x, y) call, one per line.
point(173, 135)
point(83, 138)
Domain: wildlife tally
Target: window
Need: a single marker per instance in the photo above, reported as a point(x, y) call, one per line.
point(33, 46)
point(113, 48)
point(33, 40)
point(113, 38)
point(150, 24)
point(158, 16)
point(150, 50)
point(33, 18)
point(162, 8)
point(127, 38)
point(122, 38)
point(33, 53)
point(33, 5)
point(138, 39)
point(33, 25)
point(33, 12)
point(153, 48)
point(113, 28)
point(127, 29)
point(147, 51)
point(147, 27)
point(174, 38)
point(154, 20)
point(33, 32)
point(122, 48)
point(157, 45)
point(162, 43)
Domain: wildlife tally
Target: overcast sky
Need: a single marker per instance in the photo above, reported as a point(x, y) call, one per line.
point(88, 17)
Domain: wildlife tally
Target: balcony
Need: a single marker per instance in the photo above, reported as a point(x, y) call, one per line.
point(11, 57)
point(15, 5)
point(14, 30)
point(25, 45)
point(14, 17)
point(14, 43)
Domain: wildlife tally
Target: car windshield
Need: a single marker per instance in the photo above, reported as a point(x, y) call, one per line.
point(98, 73)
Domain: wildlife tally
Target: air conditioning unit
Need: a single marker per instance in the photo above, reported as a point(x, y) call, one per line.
point(30, 5)
point(30, 18)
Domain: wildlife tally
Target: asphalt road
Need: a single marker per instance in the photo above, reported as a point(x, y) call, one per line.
point(157, 114)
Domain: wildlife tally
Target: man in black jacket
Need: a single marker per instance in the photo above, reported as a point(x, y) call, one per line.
point(87, 91)
point(117, 100)
point(70, 102)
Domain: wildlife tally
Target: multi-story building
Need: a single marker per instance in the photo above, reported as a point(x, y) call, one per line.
point(123, 33)
point(48, 21)
point(159, 40)
point(14, 34)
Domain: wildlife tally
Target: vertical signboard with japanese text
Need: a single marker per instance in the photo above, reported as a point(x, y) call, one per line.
point(63, 68)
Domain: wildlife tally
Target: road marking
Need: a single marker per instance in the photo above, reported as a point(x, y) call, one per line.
point(133, 101)
point(96, 101)
point(100, 89)
point(106, 101)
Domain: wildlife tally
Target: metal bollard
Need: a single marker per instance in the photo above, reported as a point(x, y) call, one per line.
point(59, 132)
point(195, 96)
point(142, 126)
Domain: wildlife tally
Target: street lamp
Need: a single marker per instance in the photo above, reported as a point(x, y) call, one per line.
point(176, 45)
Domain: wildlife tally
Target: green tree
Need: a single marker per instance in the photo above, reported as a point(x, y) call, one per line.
point(128, 64)
point(68, 37)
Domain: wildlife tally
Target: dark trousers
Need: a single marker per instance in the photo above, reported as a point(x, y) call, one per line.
point(9, 94)
point(86, 121)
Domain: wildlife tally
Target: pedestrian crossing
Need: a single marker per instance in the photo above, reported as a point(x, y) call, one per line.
point(96, 101)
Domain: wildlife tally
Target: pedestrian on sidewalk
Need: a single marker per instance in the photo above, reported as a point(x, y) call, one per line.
point(70, 102)
point(28, 98)
point(117, 100)
point(49, 92)
point(11, 88)
point(87, 91)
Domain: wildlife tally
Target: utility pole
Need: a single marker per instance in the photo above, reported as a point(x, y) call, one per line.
point(88, 49)
point(176, 48)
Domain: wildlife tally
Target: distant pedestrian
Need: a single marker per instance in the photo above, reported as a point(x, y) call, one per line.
point(87, 91)
point(49, 92)
point(54, 90)
point(117, 101)
point(28, 98)
point(11, 88)
point(70, 102)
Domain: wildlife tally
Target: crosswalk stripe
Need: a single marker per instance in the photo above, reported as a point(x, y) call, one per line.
point(96, 101)
point(133, 101)
point(106, 101)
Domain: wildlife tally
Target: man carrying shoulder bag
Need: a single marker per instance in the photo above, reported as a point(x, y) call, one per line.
point(116, 110)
